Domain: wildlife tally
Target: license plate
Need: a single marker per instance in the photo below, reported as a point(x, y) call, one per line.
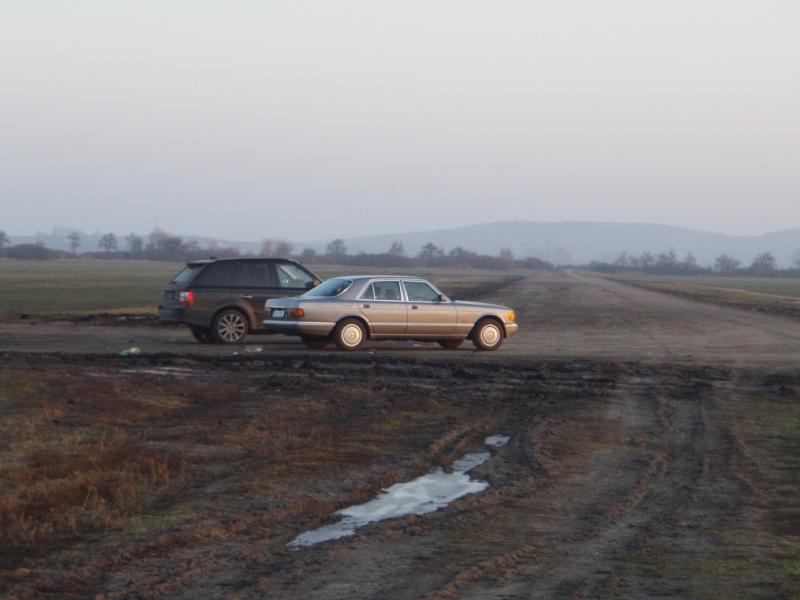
point(278, 314)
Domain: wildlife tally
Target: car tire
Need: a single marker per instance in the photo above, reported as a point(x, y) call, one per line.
point(316, 343)
point(350, 334)
point(229, 327)
point(450, 344)
point(201, 334)
point(487, 335)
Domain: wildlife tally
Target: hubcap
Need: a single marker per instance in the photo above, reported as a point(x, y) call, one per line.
point(490, 335)
point(231, 327)
point(352, 335)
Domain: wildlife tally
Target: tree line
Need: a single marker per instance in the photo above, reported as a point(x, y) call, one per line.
point(162, 246)
point(668, 263)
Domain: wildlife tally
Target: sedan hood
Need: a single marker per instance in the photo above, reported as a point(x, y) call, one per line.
point(466, 304)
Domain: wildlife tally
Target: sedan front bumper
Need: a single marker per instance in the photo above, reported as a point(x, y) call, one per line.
point(511, 329)
point(302, 328)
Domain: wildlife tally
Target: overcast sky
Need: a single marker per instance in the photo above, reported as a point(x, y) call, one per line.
point(309, 120)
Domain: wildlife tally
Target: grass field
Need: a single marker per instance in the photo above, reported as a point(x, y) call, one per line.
point(779, 295)
point(80, 287)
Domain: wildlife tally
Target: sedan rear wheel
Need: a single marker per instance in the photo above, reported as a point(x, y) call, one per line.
point(230, 327)
point(487, 335)
point(350, 334)
point(450, 344)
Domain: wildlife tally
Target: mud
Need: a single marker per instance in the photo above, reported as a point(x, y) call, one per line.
point(625, 475)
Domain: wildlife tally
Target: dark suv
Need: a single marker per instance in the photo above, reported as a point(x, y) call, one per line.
point(223, 300)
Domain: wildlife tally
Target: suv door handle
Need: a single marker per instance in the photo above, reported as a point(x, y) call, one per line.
point(414, 307)
point(247, 296)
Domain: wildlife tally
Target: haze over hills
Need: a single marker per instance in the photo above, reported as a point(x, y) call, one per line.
point(583, 242)
point(572, 242)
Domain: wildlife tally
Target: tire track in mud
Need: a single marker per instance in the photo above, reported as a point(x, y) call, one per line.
point(581, 560)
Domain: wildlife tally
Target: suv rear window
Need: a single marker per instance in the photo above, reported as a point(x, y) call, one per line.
point(186, 274)
point(219, 274)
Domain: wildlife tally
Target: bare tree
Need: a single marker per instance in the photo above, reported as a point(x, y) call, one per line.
point(689, 264)
point(646, 260)
point(796, 259)
point(4, 241)
point(135, 244)
point(397, 249)
point(308, 255)
point(336, 248)
point(74, 239)
point(764, 264)
point(267, 247)
point(430, 252)
point(108, 243)
point(506, 255)
point(623, 260)
point(726, 265)
point(283, 248)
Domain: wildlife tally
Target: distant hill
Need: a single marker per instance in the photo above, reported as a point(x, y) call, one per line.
point(582, 242)
point(577, 242)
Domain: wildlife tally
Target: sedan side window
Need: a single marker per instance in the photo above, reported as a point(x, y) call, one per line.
point(386, 290)
point(367, 294)
point(418, 291)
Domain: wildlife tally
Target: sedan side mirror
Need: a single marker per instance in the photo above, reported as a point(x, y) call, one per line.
point(442, 298)
point(310, 285)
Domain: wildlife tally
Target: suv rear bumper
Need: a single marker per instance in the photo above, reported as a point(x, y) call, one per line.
point(170, 315)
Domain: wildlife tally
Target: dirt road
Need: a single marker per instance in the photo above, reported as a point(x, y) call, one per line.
point(561, 316)
point(653, 452)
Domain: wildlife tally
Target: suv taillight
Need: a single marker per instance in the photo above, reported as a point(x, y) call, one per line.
point(186, 298)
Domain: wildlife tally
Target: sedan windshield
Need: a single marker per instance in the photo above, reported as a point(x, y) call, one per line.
point(329, 289)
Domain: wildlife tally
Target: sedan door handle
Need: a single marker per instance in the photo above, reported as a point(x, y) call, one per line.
point(365, 306)
point(247, 296)
point(414, 307)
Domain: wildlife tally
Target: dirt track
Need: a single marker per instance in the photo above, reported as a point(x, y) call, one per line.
point(560, 316)
point(653, 453)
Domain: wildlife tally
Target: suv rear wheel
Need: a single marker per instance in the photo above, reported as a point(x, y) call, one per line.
point(229, 327)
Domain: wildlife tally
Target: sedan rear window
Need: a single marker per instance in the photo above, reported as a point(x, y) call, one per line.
point(329, 289)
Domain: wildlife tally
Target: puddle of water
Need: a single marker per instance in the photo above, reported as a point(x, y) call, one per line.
point(173, 371)
point(496, 441)
point(423, 495)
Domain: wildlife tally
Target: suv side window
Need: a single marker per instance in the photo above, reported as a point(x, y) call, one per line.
point(253, 274)
point(293, 277)
point(219, 274)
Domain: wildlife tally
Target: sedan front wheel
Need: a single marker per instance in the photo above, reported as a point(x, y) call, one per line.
point(487, 335)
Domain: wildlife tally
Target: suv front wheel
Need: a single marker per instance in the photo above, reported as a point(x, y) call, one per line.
point(229, 327)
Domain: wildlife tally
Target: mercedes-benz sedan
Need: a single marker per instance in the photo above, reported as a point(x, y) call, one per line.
point(351, 310)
